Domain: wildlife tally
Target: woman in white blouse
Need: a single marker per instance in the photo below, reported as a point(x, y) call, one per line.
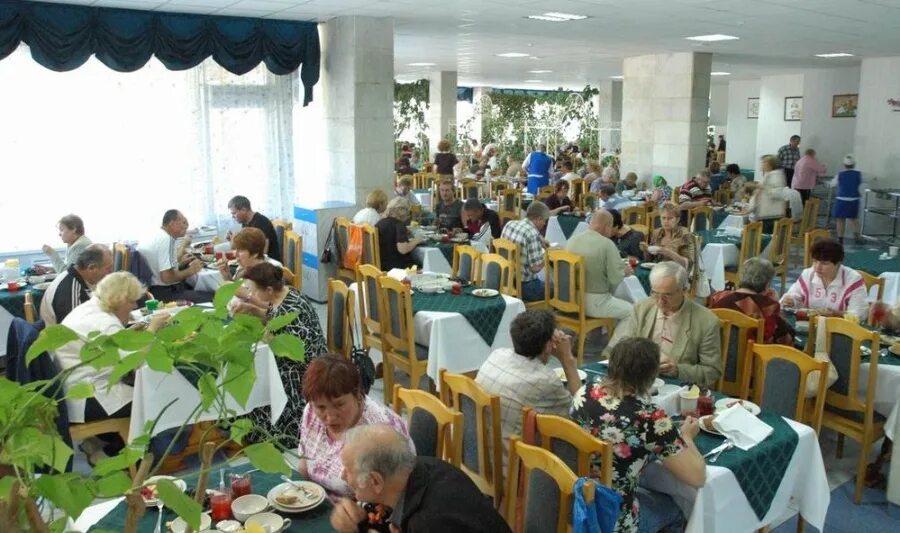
point(107, 312)
point(376, 203)
point(71, 231)
point(767, 202)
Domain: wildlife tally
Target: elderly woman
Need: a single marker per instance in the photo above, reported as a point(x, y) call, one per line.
point(559, 201)
point(444, 160)
point(335, 403)
point(756, 299)
point(735, 180)
point(394, 243)
point(662, 192)
point(71, 232)
point(671, 242)
point(767, 202)
point(376, 203)
point(628, 184)
point(619, 410)
point(249, 246)
point(828, 287)
point(266, 285)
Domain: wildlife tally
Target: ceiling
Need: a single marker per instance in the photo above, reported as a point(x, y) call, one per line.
point(776, 36)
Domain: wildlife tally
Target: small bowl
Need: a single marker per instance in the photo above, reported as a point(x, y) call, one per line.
point(248, 505)
point(229, 526)
point(430, 289)
point(271, 522)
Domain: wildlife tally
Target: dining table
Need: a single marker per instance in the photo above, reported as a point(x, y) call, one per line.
point(722, 249)
point(872, 261)
point(12, 305)
point(562, 227)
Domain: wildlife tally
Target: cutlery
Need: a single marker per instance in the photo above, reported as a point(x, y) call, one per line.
point(301, 488)
point(716, 449)
point(159, 508)
point(727, 446)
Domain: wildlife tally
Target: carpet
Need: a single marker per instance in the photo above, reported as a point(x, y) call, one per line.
point(874, 515)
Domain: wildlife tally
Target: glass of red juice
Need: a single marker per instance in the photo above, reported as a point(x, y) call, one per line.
point(705, 405)
point(220, 506)
point(240, 485)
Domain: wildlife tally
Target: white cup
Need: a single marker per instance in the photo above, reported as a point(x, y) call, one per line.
point(892, 251)
point(687, 405)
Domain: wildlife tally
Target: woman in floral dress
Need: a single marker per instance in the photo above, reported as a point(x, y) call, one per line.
point(619, 411)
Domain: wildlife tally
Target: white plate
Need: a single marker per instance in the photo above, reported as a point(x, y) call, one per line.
point(153, 480)
point(180, 526)
point(43, 286)
point(725, 403)
point(647, 264)
point(485, 293)
point(704, 428)
point(561, 374)
point(802, 326)
point(304, 503)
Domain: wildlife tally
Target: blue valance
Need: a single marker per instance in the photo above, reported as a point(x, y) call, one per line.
point(63, 37)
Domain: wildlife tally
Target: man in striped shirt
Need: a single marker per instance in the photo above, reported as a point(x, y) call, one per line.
point(789, 155)
point(72, 288)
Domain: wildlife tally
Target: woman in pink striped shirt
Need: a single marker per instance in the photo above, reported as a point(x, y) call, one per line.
point(805, 173)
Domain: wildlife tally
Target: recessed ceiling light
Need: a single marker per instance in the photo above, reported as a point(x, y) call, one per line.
point(539, 71)
point(712, 38)
point(534, 81)
point(512, 54)
point(835, 54)
point(720, 74)
point(617, 77)
point(421, 64)
point(557, 17)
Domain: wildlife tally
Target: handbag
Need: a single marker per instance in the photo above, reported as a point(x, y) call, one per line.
point(599, 516)
point(360, 357)
point(328, 252)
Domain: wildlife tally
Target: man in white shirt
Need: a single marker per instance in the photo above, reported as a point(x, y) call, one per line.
point(165, 262)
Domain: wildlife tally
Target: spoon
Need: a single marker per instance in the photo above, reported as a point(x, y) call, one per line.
point(159, 508)
point(301, 488)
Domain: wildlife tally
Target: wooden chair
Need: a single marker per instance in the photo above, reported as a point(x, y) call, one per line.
point(535, 469)
point(634, 215)
point(465, 263)
point(281, 227)
point(287, 276)
point(809, 238)
point(498, 186)
point(567, 272)
point(121, 257)
point(571, 443)
point(576, 192)
point(341, 318)
point(415, 212)
point(780, 249)
point(736, 361)
point(641, 228)
point(398, 343)
point(496, 274)
point(482, 458)
point(468, 188)
point(28, 308)
point(371, 253)
point(541, 196)
point(342, 242)
point(509, 250)
point(779, 383)
point(694, 273)
point(293, 257)
point(369, 305)
point(435, 429)
point(722, 196)
point(653, 220)
point(844, 411)
point(700, 218)
point(546, 189)
point(591, 201)
point(751, 246)
point(873, 281)
point(808, 222)
point(509, 202)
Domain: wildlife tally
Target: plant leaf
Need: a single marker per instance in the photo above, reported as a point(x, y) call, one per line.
point(179, 502)
point(208, 389)
point(126, 365)
point(288, 346)
point(267, 458)
point(127, 457)
point(50, 338)
point(131, 340)
point(224, 294)
point(281, 321)
point(172, 332)
point(65, 491)
point(115, 484)
point(190, 318)
point(6, 485)
point(158, 358)
point(240, 428)
point(80, 391)
point(239, 382)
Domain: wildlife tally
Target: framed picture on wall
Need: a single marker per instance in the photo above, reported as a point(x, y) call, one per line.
point(844, 105)
point(752, 107)
point(793, 108)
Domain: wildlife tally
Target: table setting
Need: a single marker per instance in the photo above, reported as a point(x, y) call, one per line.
point(562, 227)
point(881, 262)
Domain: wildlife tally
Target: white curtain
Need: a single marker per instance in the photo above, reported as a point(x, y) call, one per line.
point(119, 149)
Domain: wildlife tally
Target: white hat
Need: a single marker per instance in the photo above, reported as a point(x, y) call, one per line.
point(849, 160)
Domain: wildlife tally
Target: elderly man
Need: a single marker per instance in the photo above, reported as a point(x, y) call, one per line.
point(242, 213)
point(604, 268)
point(789, 155)
point(527, 234)
point(425, 493)
point(170, 267)
point(686, 332)
point(448, 211)
point(71, 288)
point(695, 193)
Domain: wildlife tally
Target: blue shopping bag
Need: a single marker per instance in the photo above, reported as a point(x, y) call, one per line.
point(599, 516)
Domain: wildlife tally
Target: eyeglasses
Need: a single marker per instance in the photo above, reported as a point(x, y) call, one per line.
point(667, 295)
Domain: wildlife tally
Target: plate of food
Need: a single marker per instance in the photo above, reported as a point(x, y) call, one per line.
point(149, 493)
point(485, 293)
point(725, 403)
point(647, 264)
point(888, 339)
point(706, 424)
point(561, 374)
point(296, 496)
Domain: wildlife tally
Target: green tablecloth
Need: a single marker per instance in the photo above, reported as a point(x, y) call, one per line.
point(718, 237)
point(719, 216)
point(14, 302)
point(568, 223)
point(314, 521)
point(484, 314)
point(643, 275)
point(868, 261)
point(887, 358)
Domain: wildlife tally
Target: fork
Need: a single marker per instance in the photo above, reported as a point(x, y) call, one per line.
point(301, 488)
point(159, 508)
point(727, 446)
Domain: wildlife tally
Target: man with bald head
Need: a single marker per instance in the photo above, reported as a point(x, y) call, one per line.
point(604, 268)
point(73, 286)
point(426, 494)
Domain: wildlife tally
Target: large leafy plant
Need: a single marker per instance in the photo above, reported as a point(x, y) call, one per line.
point(217, 350)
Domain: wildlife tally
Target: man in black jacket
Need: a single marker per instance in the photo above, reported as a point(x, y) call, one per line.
point(426, 494)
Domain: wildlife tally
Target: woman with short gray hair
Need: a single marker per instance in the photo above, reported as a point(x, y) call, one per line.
point(756, 299)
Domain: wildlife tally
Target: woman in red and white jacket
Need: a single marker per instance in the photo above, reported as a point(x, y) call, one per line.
point(828, 287)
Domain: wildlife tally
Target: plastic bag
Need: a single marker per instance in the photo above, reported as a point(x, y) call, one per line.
point(350, 257)
point(599, 516)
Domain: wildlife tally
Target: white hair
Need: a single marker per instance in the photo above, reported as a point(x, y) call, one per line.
point(669, 269)
point(383, 449)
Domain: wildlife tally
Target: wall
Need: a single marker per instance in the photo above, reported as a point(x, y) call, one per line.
point(741, 135)
point(718, 105)
point(773, 131)
point(832, 138)
point(876, 146)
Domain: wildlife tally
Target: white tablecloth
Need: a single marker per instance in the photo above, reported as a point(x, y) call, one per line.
point(555, 233)
point(891, 287)
point(733, 221)
point(424, 198)
point(208, 280)
point(452, 342)
point(433, 259)
point(153, 390)
point(892, 430)
point(716, 257)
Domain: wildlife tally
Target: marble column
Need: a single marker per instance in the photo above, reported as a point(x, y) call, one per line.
point(609, 114)
point(665, 105)
point(441, 116)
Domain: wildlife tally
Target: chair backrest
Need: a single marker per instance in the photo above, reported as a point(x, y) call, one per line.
point(496, 273)
point(292, 251)
point(369, 304)
point(751, 241)
point(482, 441)
point(509, 250)
point(570, 442)
point(873, 281)
point(591, 201)
point(509, 202)
point(340, 318)
point(810, 215)
point(642, 228)
point(281, 227)
point(121, 257)
point(28, 308)
point(779, 383)
point(779, 249)
point(371, 253)
point(468, 188)
point(397, 331)
point(653, 219)
point(635, 214)
point(565, 274)
point(465, 262)
point(700, 218)
point(576, 191)
point(843, 341)
point(435, 429)
point(722, 196)
point(809, 238)
point(341, 235)
point(547, 489)
point(545, 189)
point(736, 361)
point(497, 186)
point(694, 273)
